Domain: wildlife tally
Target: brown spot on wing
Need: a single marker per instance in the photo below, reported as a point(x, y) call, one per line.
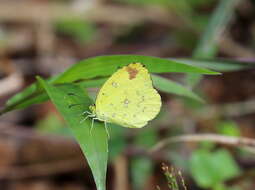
point(132, 72)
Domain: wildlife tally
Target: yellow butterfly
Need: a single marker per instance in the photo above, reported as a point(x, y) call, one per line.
point(127, 98)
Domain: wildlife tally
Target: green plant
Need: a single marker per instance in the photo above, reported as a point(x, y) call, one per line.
point(174, 178)
point(93, 72)
point(211, 169)
point(78, 29)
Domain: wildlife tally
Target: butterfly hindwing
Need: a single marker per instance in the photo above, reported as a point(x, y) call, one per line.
point(128, 98)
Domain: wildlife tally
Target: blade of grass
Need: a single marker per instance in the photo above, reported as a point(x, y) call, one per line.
point(207, 46)
point(98, 67)
point(106, 65)
point(166, 85)
point(31, 96)
point(94, 144)
point(162, 84)
point(221, 65)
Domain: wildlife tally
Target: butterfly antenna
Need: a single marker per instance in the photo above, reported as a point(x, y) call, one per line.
point(106, 129)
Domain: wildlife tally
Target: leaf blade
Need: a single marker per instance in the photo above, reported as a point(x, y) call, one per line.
point(106, 65)
point(221, 65)
point(98, 67)
point(169, 86)
point(94, 145)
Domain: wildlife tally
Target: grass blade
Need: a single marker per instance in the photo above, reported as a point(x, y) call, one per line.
point(169, 86)
point(207, 46)
point(101, 66)
point(221, 65)
point(106, 65)
point(95, 144)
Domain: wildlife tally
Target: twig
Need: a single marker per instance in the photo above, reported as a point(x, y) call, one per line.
point(121, 171)
point(233, 141)
point(30, 12)
point(11, 83)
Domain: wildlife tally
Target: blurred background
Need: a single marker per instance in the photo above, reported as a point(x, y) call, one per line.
point(41, 37)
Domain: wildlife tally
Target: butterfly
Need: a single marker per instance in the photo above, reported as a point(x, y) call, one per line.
point(127, 98)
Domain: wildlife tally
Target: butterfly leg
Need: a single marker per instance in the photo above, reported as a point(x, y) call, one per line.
point(106, 129)
point(86, 112)
point(92, 126)
point(84, 119)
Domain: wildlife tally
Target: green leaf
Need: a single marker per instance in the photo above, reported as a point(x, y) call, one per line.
point(209, 169)
point(77, 28)
point(94, 143)
point(98, 67)
point(220, 186)
point(229, 128)
point(31, 95)
point(166, 85)
point(221, 65)
point(25, 98)
point(92, 83)
point(208, 44)
point(106, 65)
point(225, 164)
point(202, 170)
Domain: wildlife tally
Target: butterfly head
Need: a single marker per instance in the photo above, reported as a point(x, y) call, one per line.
point(92, 108)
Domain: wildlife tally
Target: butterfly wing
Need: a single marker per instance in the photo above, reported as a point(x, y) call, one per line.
point(128, 98)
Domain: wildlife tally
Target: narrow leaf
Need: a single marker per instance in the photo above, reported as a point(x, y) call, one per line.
point(94, 144)
point(221, 65)
point(98, 67)
point(207, 46)
point(166, 85)
point(106, 65)
point(31, 95)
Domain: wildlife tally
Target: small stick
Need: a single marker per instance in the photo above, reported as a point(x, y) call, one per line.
point(247, 143)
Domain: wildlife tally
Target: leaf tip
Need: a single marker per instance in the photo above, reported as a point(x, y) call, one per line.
point(215, 73)
point(38, 78)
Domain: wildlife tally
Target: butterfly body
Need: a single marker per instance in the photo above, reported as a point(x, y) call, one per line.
point(127, 98)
